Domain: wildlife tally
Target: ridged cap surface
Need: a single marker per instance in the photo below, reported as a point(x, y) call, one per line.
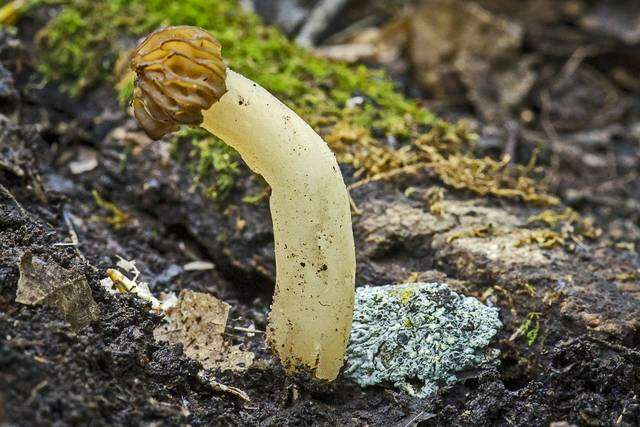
point(179, 73)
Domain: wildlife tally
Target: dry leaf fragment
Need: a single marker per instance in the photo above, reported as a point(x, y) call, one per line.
point(48, 284)
point(197, 321)
point(128, 266)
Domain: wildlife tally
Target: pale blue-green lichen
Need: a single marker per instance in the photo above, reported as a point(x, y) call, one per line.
point(417, 343)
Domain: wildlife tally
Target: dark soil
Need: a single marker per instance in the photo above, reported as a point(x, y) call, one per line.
point(583, 367)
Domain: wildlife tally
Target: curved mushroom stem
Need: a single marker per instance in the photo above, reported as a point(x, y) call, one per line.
point(312, 306)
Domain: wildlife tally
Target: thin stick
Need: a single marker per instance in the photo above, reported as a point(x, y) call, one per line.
point(412, 420)
point(75, 242)
point(320, 18)
point(390, 174)
point(356, 210)
point(248, 330)
point(13, 199)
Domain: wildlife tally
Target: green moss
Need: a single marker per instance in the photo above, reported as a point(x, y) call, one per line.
point(125, 90)
point(82, 44)
point(255, 199)
point(213, 163)
point(76, 50)
point(88, 41)
point(530, 328)
point(117, 218)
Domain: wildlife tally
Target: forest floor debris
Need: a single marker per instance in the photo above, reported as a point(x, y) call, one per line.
point(47, 283)
point(198, 321)
point(582, 366)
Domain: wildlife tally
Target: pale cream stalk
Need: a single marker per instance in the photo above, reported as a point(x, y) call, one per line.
point(312, 306)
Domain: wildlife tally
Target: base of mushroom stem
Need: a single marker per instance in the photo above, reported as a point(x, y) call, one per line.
point(417, 335)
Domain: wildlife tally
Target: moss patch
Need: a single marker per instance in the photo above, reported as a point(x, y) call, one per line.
point(544, 238)
point(529, 329)
point(564, 228)
point(117, 217)
point(477, 232)
point(214, 164)
point(383, 133)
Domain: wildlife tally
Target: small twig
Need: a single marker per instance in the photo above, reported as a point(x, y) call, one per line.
point(320, 18)
point(34, 392)
point(72, 231)
point(575, 60)
point(551, 133)
point(579, 242)
point(617, 183)
point(353, 29)
point(356, 210)
point(13, 199)
point(252, 331)
point(227, 334)
point(613, 346)
point(390, 174)
point(427, 417)
point(202, 376)
point(75, 242)
point(624, 411)
point(512, 139)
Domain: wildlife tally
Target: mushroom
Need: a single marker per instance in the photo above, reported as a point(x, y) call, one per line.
point(182, 79)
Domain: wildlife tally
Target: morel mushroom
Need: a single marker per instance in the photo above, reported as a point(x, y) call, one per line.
point(182, 79)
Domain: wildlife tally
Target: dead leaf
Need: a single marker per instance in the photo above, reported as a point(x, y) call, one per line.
point(496, 87)
point(582, 99)
point(383, 45)
point(197, 321)
point(48, 284)
point(442, 30)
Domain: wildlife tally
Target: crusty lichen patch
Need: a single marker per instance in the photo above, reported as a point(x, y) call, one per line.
point(416, 336)
point(381, 133)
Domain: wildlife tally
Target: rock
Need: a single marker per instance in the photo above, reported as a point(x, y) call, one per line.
point(417, 334)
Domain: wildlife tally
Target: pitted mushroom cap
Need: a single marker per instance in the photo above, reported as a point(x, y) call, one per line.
point(180, 72)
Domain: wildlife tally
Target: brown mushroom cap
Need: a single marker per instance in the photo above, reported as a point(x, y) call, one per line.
point(179, 72)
